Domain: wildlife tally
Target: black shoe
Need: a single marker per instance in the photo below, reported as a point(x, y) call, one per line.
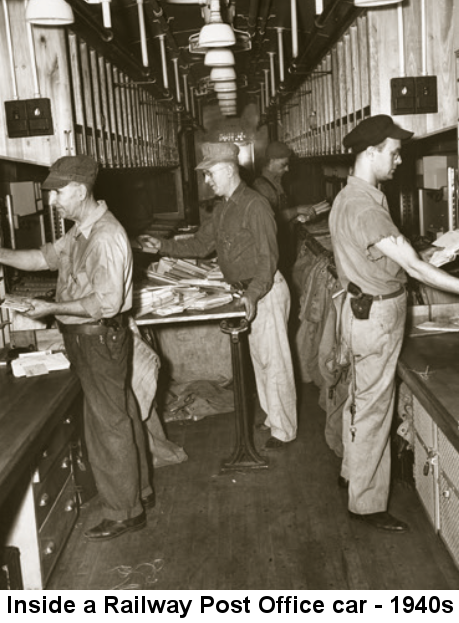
point(382, 521)
point(109, 529)
point(149, 501)
point(275, 443)
point(343, 483)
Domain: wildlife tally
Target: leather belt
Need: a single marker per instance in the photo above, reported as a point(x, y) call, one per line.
point(392, 295)
point(98, 327)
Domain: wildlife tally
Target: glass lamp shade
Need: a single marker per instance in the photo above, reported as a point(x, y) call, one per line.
point(229, 96)
point(217, 35)
point(228, 109)
point(216, 57)
point(222, 74)
point(229, 85)
point(365, 4)
point(49, 13)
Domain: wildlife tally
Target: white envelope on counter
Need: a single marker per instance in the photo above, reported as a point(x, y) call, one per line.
point(38, 363)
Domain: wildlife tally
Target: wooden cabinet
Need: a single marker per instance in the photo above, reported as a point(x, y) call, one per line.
point(436, 471)
point(48, 507)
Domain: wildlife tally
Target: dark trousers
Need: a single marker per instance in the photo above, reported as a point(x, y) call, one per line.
point(113, 430)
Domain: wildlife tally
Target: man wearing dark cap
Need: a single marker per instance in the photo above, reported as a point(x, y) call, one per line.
point(243, 232)
point(269, 184)
point(372, 259)
point(93, 296)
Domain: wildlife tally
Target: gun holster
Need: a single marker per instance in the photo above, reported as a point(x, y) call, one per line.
point(360, 302)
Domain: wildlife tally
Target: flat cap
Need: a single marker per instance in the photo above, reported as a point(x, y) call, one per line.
point(277, 150)
point(81, 169)
point(218, 152)
point(373, 131)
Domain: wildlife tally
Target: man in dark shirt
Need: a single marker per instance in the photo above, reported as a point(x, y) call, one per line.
point(243, 232)
point(269, 184)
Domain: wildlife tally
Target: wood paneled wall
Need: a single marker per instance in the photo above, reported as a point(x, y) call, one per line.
point(53, 82)
point(353, 80)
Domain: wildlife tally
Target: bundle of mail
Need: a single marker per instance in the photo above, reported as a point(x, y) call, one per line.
point(175, 285)
point(38, 363)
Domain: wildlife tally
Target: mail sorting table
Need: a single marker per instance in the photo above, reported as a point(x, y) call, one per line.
point(233, 323)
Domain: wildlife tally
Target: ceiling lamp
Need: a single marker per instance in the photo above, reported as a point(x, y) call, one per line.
point(106, 15)
point(365, 4)
point(217, 57)
point(243, 43)
point(224, 87)
point(216, 34)
point(49, 13)
point(220, 74)
point(228, 96)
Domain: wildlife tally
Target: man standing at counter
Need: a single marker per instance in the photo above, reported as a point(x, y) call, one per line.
point(371, 259)
point(93, 296)
point(269, 184)
point(243, 232)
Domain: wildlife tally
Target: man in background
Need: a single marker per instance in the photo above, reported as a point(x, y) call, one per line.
point(269, 184)
point(93, 297)
point(242, 231)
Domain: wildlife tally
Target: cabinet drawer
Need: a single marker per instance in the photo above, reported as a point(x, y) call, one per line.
point(47, 491)
point(56, 528)
point(449, 495)
point(425, 474)
point(423, 424)
point(59, 438)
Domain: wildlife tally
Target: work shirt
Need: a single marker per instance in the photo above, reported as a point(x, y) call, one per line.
point(243, 232)
point(358, 220)
point(94, 260)
point(270, 186)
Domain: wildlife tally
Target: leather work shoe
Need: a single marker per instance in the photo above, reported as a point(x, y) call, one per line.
point(343, 483)
point(274, 443)
point(382, 521)
point(149, 501)
point(109, 529)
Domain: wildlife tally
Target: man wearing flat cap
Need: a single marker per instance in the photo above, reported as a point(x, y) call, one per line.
point(372, 259)
point(243, 232)
point(269, 184)
point(93, 296)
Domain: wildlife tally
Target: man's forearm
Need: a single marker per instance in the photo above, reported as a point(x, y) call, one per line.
point(31, 259)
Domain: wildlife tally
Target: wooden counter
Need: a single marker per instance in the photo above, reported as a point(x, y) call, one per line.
point(29, 410)
point(438, 389)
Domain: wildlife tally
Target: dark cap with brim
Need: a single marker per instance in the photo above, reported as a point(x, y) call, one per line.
point(80, 169)
point(277, 151)
point(218, 152)
point(373, 131)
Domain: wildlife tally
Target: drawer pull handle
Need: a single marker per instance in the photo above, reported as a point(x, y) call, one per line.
point(68, 420)
point(49, 549)
point(446, 494)
point(65, 463)
point(44, 500)
point(70, 506)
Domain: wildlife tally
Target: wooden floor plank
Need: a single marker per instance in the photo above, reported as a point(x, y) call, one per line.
point(284, 528)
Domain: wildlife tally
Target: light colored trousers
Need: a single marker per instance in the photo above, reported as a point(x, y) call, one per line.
point(272, 361)
point(375, 344)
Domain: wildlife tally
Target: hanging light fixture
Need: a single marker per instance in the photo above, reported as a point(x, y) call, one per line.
point(229, 95)
point(216, 34)
point(217, 57)
point(229, 85)
point(220, 74)
point(365, 4)
point(49, 13)
point(106, 15)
